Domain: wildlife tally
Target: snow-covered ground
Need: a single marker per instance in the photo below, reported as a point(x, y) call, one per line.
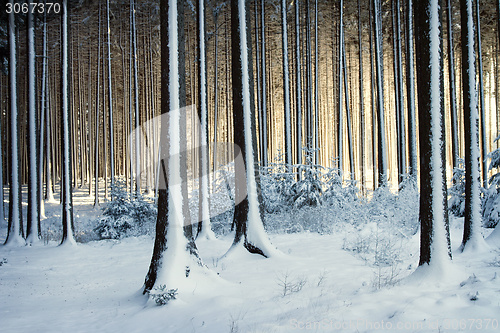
point(316, 286)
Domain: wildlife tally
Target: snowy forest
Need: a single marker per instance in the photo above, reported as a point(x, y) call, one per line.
point(250, 165)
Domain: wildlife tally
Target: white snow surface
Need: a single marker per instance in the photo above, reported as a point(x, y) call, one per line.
point(97, 287)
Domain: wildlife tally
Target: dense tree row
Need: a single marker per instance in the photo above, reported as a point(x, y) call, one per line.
point(92, 75)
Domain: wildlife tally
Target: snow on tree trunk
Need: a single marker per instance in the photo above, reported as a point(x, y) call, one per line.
point(340, 121)
point(472, 237)
point(204, 204)
point(15, 227)
point(171, 262)
point(434, 241)
point(33, 217)
point(247, 215)
point(286, 85)
point(67, 197)
point(381, 145)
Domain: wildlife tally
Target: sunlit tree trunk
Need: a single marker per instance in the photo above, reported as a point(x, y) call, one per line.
point(381, 145)
point(286, 85)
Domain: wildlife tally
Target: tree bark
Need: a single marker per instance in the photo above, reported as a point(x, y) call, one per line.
point(433, 215)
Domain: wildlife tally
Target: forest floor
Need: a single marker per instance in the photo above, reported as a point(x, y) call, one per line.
point(316, 286)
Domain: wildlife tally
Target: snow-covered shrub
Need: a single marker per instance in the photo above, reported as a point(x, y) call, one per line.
point(456, 203)
point(161, 295)
point(126, 214)
point(276, 183)
point(308, 190)
point(491, 195)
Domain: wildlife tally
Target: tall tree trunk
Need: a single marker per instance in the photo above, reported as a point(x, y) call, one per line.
point(15, 227)
point(382, 149)
point(33, 232)
point(435, 237)
point(110, 102)
point(97, 112)
point(248, 213)
point(286, 86)
point(204, 203)
point(298, 86)
point(138, 156)
point(453, 94)
point(171, 260)
point(372, 98)
point(400, 95)
point(67, 197)
point(472, 238)
point(410, 92)
point(316, 85)
point(263, 139)
point(350, 144)
point(361, 100)
point(482, 114)
point(340, 116)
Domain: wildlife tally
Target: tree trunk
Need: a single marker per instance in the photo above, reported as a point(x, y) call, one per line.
point(263, 115)
point(33, 232)
point(286, 86)
point(67, 197)
point(472, 238)
point(361, 101)
point(248, 213)
point(15, 227)
point(435, 238)
point(171, 262)
point(410, 91)
point(340, 116)
point(203, 203)
point(453, 94)
point(110, 103)
point(382, 150)
point(298, 86)
point(482, 114)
